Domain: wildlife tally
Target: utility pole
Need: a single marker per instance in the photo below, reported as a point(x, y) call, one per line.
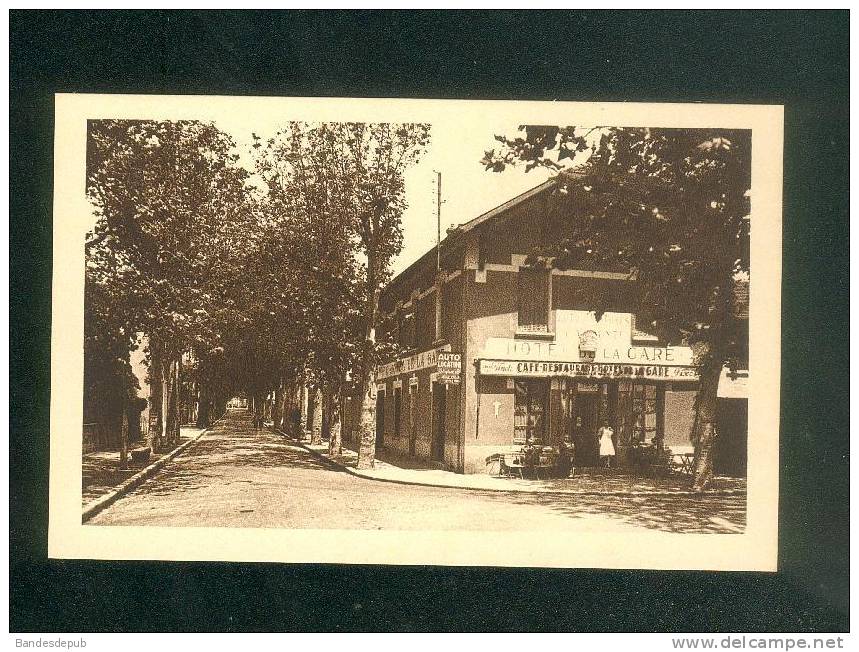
point(438, 222)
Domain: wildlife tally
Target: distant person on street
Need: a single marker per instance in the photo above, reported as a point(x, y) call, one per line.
point(607, 452)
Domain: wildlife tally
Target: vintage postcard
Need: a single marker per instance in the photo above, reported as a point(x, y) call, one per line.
point(393, 331)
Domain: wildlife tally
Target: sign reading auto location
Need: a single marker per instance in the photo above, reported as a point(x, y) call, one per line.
point(449, 368)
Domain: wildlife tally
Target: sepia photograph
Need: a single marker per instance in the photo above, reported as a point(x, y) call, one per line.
point(464, 323)
point(429, 320)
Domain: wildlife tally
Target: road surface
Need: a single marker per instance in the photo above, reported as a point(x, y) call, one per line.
point(236, 476)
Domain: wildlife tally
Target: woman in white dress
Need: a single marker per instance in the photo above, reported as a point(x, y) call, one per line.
point(605, 435)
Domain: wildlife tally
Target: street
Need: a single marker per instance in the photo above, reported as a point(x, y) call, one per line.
point(237, 476)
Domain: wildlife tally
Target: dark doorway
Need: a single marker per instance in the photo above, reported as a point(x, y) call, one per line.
point(412, 400)
point(398, 409)
point(380, 419)
point(439, 410)
point(585, 424)
point(732, 427)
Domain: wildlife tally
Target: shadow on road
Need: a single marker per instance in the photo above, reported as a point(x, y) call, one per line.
point(676, 514)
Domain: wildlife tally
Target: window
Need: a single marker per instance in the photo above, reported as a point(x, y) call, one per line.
point(533, 300)
point(407, 329)
point(425, 322)
point(643, 412)
point(529, 423)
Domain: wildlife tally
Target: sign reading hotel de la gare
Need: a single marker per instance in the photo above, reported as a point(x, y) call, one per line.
point(610, 340)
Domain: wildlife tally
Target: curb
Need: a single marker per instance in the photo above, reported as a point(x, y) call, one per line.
point(105, 501)
point(645, 494)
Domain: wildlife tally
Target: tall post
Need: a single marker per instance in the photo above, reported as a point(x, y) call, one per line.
point(438, 222)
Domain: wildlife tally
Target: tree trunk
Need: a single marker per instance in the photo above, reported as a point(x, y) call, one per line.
point(172, 430)
point(367, 421)
point(326, 410)
point(258, 409)
point(705, 417)
point(123, 437)
point(156, 389)
point(315, 418)
point(332, 409)
point(304, 409)
point(286, 407)
point(203, 415)
point(276, 406)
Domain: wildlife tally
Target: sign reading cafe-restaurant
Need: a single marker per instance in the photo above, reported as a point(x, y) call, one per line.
point(586, 370)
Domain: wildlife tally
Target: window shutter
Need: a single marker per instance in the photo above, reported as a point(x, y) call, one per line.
point(533, 299)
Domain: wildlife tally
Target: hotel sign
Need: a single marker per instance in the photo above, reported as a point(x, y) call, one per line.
point(581, 337)
point(511, 349)
point(411, 364)
point(530, 368)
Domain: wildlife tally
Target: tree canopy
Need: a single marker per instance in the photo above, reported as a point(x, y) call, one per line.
point(254, 275)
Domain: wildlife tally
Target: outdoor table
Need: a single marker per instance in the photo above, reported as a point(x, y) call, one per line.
point(683, 462)
point(517, 463)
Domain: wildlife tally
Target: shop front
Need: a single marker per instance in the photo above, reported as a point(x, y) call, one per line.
point(559, 390)
point(557, 404)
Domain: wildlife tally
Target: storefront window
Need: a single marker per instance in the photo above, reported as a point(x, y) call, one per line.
point(529, 424)
point(643, 412)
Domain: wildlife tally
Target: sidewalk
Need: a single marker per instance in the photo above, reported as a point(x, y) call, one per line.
point(585, 482)
point(101, 472)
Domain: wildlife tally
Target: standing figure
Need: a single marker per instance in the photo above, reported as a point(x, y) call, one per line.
point(605, 435)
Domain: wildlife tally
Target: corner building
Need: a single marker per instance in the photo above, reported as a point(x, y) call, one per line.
point(537, 365)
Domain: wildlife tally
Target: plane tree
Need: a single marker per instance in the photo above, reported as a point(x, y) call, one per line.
point(169, 200)
point(343, 183)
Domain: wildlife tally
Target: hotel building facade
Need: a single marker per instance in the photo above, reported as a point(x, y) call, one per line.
point(536, 363)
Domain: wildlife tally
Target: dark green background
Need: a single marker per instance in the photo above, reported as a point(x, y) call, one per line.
point(799, 59)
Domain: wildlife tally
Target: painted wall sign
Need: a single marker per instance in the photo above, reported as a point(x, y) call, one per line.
point(580, 337)
point(412, 363)
point(547, 368)
point(449, 367)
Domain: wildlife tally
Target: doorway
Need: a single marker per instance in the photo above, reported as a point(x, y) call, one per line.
point(585, 424)
point(529, 416)
point(412, 400)
point(380, 419)
point(439, 414)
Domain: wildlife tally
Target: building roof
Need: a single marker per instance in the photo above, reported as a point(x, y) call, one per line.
point(454, 233)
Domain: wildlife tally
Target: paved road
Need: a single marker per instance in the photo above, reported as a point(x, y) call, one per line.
point(235, 476)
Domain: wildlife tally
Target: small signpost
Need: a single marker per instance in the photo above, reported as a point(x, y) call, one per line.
point(449, 368)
